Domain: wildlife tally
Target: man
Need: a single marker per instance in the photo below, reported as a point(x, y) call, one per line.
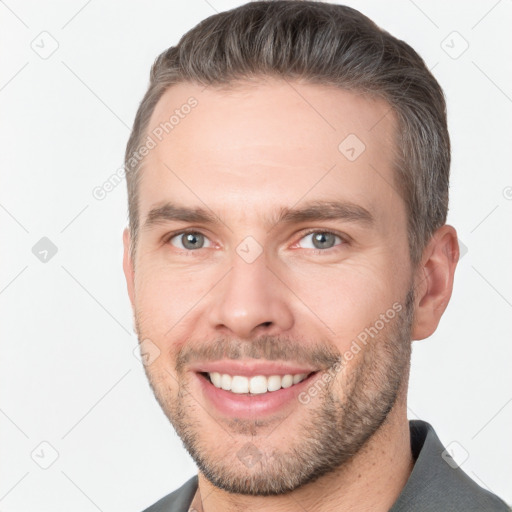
point(288, 189)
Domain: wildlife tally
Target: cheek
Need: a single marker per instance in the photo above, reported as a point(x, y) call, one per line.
point(346, 299)
point(166, 299)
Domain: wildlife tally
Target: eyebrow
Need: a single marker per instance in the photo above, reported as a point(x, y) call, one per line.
point(325, 210)
point(311, 211)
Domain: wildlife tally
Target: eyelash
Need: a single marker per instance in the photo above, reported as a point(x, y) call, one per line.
point(345, 240)
point(169, 237)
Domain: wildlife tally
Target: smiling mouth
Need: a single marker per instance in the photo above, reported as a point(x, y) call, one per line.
point(256, 385)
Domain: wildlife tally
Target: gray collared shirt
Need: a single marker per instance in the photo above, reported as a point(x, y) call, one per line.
point(436, 483)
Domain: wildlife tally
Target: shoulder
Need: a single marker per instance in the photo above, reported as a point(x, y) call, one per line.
point(438, 483)
point(177, 501)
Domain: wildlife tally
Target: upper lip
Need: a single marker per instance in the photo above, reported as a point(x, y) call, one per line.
point(251, 368)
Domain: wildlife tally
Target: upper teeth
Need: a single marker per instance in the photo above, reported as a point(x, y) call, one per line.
point(255, 385)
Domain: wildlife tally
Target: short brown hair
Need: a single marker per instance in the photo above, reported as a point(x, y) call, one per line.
point(324, 44)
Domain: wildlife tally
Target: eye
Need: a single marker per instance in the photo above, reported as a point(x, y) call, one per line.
point(320, 240)
point(189, 241)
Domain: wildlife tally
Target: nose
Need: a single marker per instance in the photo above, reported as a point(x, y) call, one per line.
point(251, 300)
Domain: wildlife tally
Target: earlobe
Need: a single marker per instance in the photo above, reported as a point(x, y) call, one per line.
point(128, 267)
point(434, 281)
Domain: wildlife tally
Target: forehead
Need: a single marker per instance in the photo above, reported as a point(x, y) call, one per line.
point(266, 144)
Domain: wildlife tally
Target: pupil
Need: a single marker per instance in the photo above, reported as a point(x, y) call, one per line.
point(323, 240)
point(192, 241)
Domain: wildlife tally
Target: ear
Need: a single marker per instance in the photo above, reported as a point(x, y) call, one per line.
point(128, 267)
point(434, 281)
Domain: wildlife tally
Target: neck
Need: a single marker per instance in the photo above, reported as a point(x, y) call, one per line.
point(371, 480)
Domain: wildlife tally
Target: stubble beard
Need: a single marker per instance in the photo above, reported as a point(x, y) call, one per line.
point(337, 425)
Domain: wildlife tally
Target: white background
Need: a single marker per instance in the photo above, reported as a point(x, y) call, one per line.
point(68, 373)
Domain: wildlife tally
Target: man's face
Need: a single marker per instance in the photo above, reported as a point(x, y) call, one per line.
point(256, 289)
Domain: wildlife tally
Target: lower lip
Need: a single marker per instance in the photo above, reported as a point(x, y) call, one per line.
point(249, 406)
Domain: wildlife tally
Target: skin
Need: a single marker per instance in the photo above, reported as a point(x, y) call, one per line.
point(243, 154)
